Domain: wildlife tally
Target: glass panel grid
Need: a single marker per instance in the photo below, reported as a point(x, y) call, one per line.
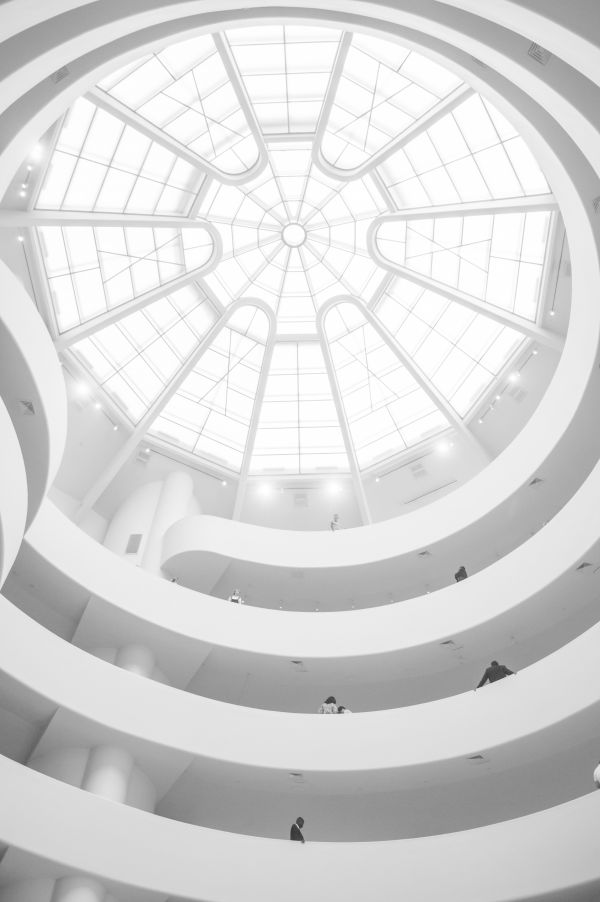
point(386, 409)
point(91, 270)
point(461, 352)
point(185, 90)
point(298, 430)
point(101, 165)
point(498, 258)
point(383, 89)
point(210, 413)
point(472, 153)
point(135, 358)
point(332, 258)
point(285, 70)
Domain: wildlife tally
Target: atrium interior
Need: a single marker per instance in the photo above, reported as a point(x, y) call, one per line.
point(299, 383)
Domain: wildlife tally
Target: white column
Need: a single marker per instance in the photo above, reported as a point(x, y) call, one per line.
point(173, 505)
point(137, 659)
point(78, 889)
point(108, 773)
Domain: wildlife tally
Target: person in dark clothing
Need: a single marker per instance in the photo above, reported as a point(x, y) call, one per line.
point(296, 832)
point(460, 574)
point(494, 673)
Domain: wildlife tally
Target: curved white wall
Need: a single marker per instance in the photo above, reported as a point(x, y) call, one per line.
point(13, 494)
point(556, 410)
point(531, 715)
point(549, 705)
point(507, 594)
point(30, 372)
point(546, 856)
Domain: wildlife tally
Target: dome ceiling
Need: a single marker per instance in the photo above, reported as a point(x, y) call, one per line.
point(288, 249)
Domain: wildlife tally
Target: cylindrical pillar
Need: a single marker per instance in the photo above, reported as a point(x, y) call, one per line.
point(173, 504)
point(78, 889)
point(137, 659)
point(108, 772)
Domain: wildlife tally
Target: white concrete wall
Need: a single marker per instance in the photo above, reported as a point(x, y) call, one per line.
point(300, 504)
point(43, 817)
point(30, 372)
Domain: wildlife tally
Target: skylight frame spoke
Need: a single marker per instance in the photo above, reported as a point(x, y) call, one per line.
point(444, 106)
point(240, 495)
point(244, 101)
point(236, 355)
point(64, 340)
point(139, 431)
point(388, 395)
point(526, 204)
point(15, 219)
point(105, 101)
point(454, 419)
point(355, 472)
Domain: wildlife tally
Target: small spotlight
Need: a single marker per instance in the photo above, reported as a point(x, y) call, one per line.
point(36, 153)
point(514, 376)
point(443, 447)
point(147, 450)
point(316, 609)
point(223, 482)
point(20, 238)
point(24, 185)
point(378, 479)
point(498, 397)
point(115, 427)
point(83, 389)
point(535, 352)
point(480, 420)
point(552, 313)
point(334, 488)
point(98, 405)
point(22, 193)
point(29, 168)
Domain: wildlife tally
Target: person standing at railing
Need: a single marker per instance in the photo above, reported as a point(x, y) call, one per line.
point(236, 597)
point(296, 831)
point(494, 673)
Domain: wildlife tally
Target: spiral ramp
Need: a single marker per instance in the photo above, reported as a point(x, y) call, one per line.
point(155, 742)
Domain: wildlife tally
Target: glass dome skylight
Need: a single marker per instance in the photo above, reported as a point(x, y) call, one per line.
point(288, 249)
